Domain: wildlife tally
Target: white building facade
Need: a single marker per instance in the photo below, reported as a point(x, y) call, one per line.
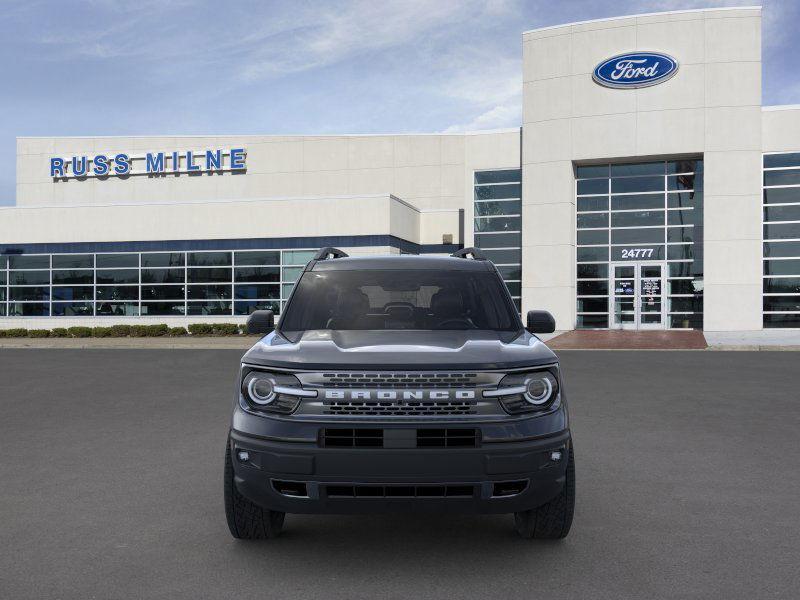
point(647, 188)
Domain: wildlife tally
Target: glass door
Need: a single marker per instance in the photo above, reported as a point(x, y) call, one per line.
point(637, 295)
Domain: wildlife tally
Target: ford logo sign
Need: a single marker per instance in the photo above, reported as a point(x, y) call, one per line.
point(635, 70)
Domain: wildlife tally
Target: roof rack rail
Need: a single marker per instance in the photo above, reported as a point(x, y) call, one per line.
point(475, 253)
point(325, 253)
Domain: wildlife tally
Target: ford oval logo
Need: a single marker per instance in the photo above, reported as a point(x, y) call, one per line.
point(635, 70)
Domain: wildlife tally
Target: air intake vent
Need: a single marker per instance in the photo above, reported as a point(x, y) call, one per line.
point(448, 438)
point(352, 438)
point(509, 488)
point(400, 491)
point(295, 489)
point(399, 380)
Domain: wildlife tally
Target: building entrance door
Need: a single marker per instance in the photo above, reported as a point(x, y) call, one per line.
point(636, 298)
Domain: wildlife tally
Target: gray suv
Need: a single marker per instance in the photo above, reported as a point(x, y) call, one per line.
point(399, 383)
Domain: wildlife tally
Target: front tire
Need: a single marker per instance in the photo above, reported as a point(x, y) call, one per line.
point(553, 520)
point(247, 520)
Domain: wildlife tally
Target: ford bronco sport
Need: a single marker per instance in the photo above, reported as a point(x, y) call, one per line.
point(399, 383)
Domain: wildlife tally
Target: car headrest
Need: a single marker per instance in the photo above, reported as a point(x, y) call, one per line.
point(447, 302)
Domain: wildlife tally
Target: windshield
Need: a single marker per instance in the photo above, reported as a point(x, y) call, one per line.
point(400, 300)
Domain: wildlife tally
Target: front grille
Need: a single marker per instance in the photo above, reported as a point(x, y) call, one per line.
point(352, 438)
point(399, 380)
point(330, 437)
point(393, 408)
point(399, 491)
point(447, 438)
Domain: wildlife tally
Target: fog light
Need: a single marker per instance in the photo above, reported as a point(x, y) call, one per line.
point(243, 455)
point(555, 455)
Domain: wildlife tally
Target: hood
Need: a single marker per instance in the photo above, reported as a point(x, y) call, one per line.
point(390, 350)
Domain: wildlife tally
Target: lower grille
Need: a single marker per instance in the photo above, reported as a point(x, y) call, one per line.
point(399, 438)
point(400, 491)
point(447, 438)
point(352, 438)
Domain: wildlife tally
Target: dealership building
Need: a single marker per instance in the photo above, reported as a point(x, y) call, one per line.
point(646, 188)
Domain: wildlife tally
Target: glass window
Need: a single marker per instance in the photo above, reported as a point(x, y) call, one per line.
point(511, 273)
point(209, 275)
point(246, 308)
point(115, 261)
point(83, 292)
point(589, 171)
point(782, 213)
point(782, 231)
point(162, 309)
point(685, 200)
point(498, 224)
point(782, 249)
point(73, 309)
point(782, 267)
point(73, 261)
point(2, 278)
point(637, 202)
point(682, 217)
point(495, 192)
point(592, 254)
point(637, 236)
point(593, 305)
point(649, 168)
point(592, 220)
point(257, 274)
point(499, 176)
point(66, 277)
point(785, 320)
point(298, 257)
point(163, 276)
point(117, 309)
point(504, 257)
point(782, 285)
point(782, 303)
point(292, 273)
point(592, 271)
point(788, 177)
point(592, 236)
point(162, 292)
point(592, 321)
point(636, 184)
point(685, 304)
point(684, 182)
point(684, 286)
point(256, 292)
point(514, 288)
point(694, 321)
point(28, 309)
point(287, 289)
point(592, 186)
point(258, 258)
point(117, 292)
point(3, 262)
point(220, 307)
point(684, 166)
point(592, 288)
point(163, 259)
point(29, 293)
point(29, 277)
point(680, 234)
point(209, 259)
point(680, 252)
point(24, 261)
point(681, 269)
point(637, 218)
point(790, 159)
point(209, 292)
point(782, 195)
point(505, 207)
point(117, 276)
point(498, 240)
point(592, 203)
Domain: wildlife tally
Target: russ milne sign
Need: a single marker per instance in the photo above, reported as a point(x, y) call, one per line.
point(635, 70)
point(151, 163)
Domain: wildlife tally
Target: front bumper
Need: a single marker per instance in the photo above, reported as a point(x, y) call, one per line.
point(409, 479)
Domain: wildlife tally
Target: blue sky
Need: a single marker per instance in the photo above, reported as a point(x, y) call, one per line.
point(104, 67)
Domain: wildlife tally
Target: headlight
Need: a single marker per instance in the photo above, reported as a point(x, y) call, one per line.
point(527, 392)
point(272, 392)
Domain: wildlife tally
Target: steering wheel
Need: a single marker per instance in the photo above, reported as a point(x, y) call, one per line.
point(467, 322)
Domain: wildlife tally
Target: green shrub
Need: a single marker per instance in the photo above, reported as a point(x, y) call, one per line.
point(243, 328)
point(59, 332)
point(225, 329)
point(2, 333)
point(80, 332)
point(157, 330)
point(101, 332)
point(138, 331)
point(201, 329)
point(177, 331)
point(38, 333)
point(120, 330)
point(17, 332)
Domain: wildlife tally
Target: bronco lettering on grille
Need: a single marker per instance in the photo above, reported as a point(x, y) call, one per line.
point(402, 395)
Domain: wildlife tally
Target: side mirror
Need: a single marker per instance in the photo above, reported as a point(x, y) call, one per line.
point(540, 321)
point(261, 321)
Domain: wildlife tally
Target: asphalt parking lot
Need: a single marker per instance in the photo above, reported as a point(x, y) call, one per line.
point(688, 486)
